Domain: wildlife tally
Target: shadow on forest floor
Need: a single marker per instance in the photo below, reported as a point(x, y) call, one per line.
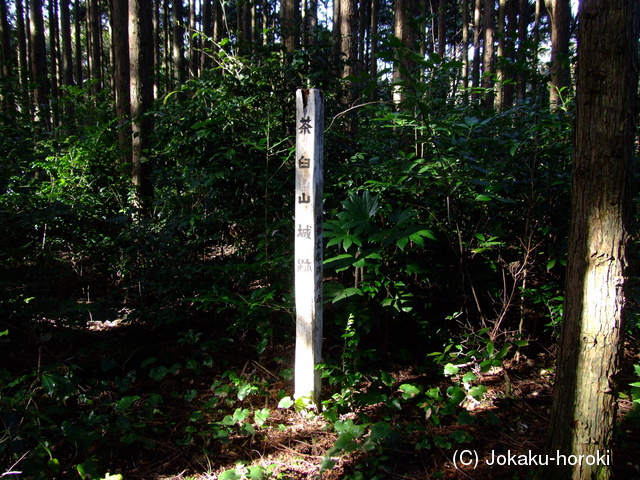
point(169, 404)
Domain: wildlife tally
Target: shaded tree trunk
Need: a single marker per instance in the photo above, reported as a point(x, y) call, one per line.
point(289, 17)
point(207, 30)
point(373, 34)
point(122, 75)
point(521, 55)
point(53, 60)
point(465, 49)
point(141, 94)
point(193, 40)
point(65, 37)
point(178, 42)
point(560, 15)
point(583, 414)
point(442, 28)
point(488, 53)
point(477, 52)
point(94, 41)
point(500, 73)
point(79, 15)
point(405, 12)
point(39, 62)
point(7, 59)
point(23, 58)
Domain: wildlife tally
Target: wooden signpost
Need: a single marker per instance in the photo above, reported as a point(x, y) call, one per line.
point(308, 242)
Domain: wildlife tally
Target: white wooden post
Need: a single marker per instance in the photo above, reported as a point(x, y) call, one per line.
point(308, 242)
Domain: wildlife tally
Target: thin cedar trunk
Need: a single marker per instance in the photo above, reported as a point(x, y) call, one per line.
point(7, 59)
point(488, 53)
point(53, 60)
point(442, 28)
point(23, 58)
point(521, 53)
point(178, 43)
point(207, 30)
point(122, 74)
point(78, 41)
point(477, 34)
point(141, 85)
point(94, 37)
point(560, 15)
point(373, 68)
point(500, 75)
point(193, 40)
point(39, 63)
point(465, 49)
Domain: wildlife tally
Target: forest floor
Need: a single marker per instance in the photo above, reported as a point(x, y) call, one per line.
point(512, 418)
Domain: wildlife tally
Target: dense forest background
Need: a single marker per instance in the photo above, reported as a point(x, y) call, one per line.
point(146, 303)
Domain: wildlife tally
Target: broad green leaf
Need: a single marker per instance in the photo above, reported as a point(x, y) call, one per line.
point(450, 369)
point(261, 416)
point(285, 402)
point(408, 390)
point(478, 392)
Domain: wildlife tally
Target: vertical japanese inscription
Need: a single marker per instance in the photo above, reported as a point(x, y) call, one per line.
point(308, 242)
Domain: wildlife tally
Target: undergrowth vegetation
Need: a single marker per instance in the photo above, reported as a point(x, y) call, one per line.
point(445, 242)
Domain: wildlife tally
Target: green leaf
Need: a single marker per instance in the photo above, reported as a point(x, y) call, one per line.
point(285, 402)
point(456, 395)
point(471, 121)
point(261, 416)
point(346, 293)
point(469, 377)
point(478, 392)
point(450, 369)
point(49, 383)
point(230, 474)
point(408, 390)
point(126, 402)
point(255, 472)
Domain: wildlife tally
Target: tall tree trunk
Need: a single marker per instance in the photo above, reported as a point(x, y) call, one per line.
point(511, 35)
point(465, 49)
point(560, 15)
point(122, 75)
point(53, 60)
point(94, 37)
point(442, 28)
point(521, 54)
point(405, 12)
point(39, 62)
point(193, 40)
point(65, 37)
point(500, 75)
point(289, 17)
point(373, 50)
point(7, 59)
point(349, 37)
point(310, 21)
point(157, 45)
point(488, 54)
point(23, 58)
point(79, 16)
point(477, 53)
point(583, 413)
point(207, 30)
point(141, 84)
point(178, 42)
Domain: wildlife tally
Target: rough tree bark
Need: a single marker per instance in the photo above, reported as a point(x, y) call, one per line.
point(560, 15)
point(141, 85)
point(584, 399)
